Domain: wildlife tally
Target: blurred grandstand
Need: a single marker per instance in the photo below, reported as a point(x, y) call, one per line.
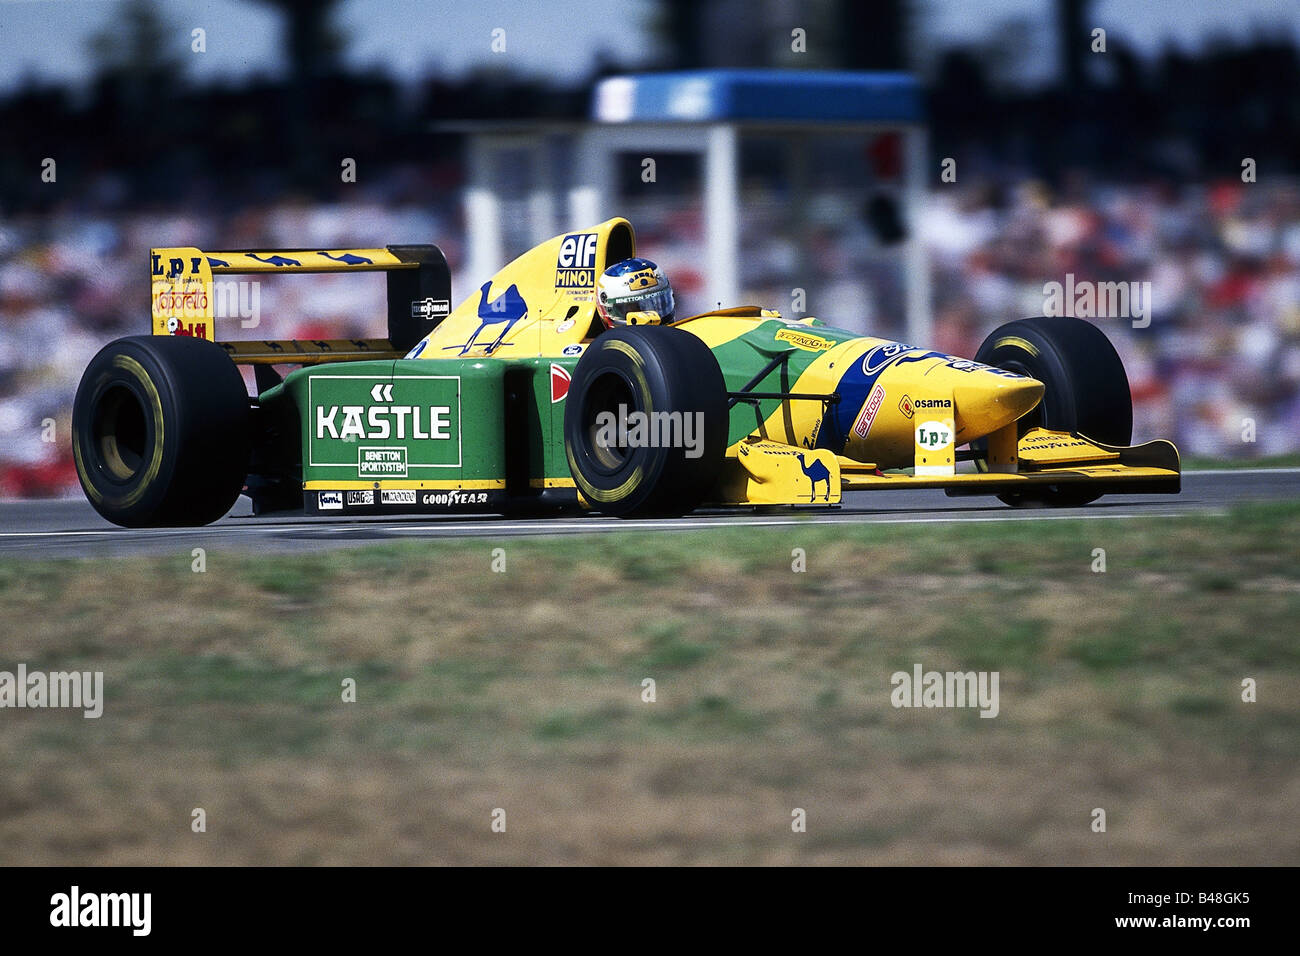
point(1131, 177)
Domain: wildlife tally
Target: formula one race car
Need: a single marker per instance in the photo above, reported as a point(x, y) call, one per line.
point(520, 400)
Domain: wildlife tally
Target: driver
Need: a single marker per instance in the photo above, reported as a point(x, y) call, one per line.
point(633, 285)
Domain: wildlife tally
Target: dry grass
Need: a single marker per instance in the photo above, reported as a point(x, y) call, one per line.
point(523, 691)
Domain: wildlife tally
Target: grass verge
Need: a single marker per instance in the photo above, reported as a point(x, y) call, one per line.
point(524, 690)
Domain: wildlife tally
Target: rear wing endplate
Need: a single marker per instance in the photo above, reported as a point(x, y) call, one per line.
point(188, 298)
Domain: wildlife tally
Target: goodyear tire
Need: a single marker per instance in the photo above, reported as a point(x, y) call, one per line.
point(650, 370)
point(1085, 389)
point(160, 431)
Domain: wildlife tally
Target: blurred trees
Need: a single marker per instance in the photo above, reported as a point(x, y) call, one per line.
point(313, 45)
point(312, 53)
point(1179, 116)
point(872, 36)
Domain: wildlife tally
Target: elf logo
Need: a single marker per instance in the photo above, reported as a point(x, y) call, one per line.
point(560, 379)
point(575, 266)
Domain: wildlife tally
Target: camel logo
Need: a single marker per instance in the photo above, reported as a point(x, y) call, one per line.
point(816, 472)
point(350, 259)
point(275, 260)
point(505, 310)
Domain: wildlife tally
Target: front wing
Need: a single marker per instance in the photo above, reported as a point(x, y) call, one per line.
point(770, 473)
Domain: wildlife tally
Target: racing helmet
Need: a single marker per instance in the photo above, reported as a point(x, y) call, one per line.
point(633, 285)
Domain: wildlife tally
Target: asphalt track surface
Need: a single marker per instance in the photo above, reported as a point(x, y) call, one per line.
point(71, 528)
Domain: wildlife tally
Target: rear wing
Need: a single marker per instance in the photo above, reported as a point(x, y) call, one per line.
point(186, 297)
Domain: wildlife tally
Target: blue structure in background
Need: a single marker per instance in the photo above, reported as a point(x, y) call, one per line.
point(763, 96)
point(704, 113)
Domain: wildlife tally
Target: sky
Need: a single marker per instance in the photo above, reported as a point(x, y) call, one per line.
point(47, 39)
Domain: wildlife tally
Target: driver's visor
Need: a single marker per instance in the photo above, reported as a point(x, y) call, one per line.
point(659, 301)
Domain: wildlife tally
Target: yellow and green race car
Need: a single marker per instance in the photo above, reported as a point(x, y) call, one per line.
point(520, 401)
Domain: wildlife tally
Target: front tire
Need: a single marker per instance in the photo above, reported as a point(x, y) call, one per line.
point(160, 431)
point(1085, 390)
point(648, 370)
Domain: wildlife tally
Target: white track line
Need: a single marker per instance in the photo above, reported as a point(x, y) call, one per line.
point(687, 525)
point(542, 526)
point(127, 532)
point(1241, 471)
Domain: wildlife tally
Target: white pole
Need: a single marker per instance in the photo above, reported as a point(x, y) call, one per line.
point(541, 196)
point(482, 214)
point(920, 319)
point(721, 217)
point(586, 196)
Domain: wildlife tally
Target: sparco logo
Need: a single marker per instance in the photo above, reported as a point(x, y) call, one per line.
point(868, 414)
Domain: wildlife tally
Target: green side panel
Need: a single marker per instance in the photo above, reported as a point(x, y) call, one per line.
point(402, 420)
point(528, 421)
point(744, 357)
point(552, 393)
point(544, 383)
point(536, 401)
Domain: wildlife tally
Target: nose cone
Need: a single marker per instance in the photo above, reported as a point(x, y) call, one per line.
point(986, 401)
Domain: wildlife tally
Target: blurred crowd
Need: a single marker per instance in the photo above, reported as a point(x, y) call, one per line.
point(1217, 369)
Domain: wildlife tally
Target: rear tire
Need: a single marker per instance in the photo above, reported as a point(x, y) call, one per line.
point(1085, 390)
point(160, 431)
point(651, 370)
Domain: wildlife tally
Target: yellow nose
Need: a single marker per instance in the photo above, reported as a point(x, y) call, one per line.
point(986, 401)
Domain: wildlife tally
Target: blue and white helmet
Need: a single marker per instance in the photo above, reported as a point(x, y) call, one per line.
point(633, 285)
